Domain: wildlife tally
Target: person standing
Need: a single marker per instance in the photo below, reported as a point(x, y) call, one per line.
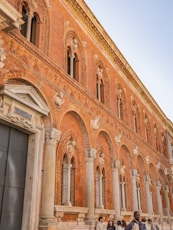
point(123, 224)
point(152, 226)
point(143, 221)
point(110, 225)
point(119, 225)
point(135, 224)
point(99, 225)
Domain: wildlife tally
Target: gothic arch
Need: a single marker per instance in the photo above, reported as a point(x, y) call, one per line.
point(74, 140)
point(39, 8)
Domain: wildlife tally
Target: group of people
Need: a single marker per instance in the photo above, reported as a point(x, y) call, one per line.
point(135, 224)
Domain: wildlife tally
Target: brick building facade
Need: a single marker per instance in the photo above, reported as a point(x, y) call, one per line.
point(80, 135)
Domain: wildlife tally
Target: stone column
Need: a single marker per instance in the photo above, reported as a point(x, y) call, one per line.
point(148, 196)
point(139, 198)
point(90, 155)
point(123, 196)
point(101, 191)
point(48, 195)
point(166, 191)
point(159, 201)
point(28, 31)
point(71, 65)
point(134, 175)
point(68, 202)
point(116, 187)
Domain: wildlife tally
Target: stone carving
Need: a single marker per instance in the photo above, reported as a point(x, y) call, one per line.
point(71, 146)
point(122, 169)
point(166, 172)
point(17, 118)
point(147, 158)
point(101, 159)
point(99, 73)
point(59, 98)
point(158, 165)
point(136, 151)
point(95, 123)
point(118, 139)
point(74, 44)
point(2, 55)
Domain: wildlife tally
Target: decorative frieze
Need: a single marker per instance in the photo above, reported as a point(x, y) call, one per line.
point(2, 55)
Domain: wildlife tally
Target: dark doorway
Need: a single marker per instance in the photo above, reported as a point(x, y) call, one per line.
point(13, 156)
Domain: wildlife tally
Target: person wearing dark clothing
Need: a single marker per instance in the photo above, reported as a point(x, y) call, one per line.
point(143, 221)
point(135, 224)
point(110, 225)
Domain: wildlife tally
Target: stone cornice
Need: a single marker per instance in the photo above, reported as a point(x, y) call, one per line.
point(81, 11)
point(9, 17)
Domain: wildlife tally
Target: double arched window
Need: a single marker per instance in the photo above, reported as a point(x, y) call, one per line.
point(30, 28)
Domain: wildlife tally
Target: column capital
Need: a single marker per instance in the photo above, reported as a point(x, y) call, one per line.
point(147, 179)
point(52, 134)
point(134, 172)
point(158, 184)
point(90, 153)
point(115, 164)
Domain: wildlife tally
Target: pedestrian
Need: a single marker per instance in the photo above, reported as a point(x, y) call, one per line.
point(99, 225)
point(135, 224)
point(110, 225)
point(151, 225)
point(143, 221)
point(123, 224)
point(119, 225)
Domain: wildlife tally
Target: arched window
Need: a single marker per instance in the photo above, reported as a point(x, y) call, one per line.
point(64, 180)
point(147, 129)
point(23, 27)
point(119, 104)
point(75, 67)
point(30, 28)
point(156, 137)
point(123, 191)
point(103, 187)
point(164, 148)
point(72, 182)
point(100, 85)
point(135, 117)
point(69, 54)
point(138, 192)
point(34, 29)
point(97, 188)
point(100, 188)
point(73, 60)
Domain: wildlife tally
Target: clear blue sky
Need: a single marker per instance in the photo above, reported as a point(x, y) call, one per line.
point(143, 32)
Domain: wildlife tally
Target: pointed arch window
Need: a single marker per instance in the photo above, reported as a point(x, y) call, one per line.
point(135, 118)
point(73, 60)
point(23, 27)
point(164, 148)
point(147, 129)
point(64, 180)
point(123, 192)
point(30, 28)
point(100, 85)
point(100, 185)
point(120, 104)
point(138, 192)
point(72, 182)
point(68, 182)
point(156, 138)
